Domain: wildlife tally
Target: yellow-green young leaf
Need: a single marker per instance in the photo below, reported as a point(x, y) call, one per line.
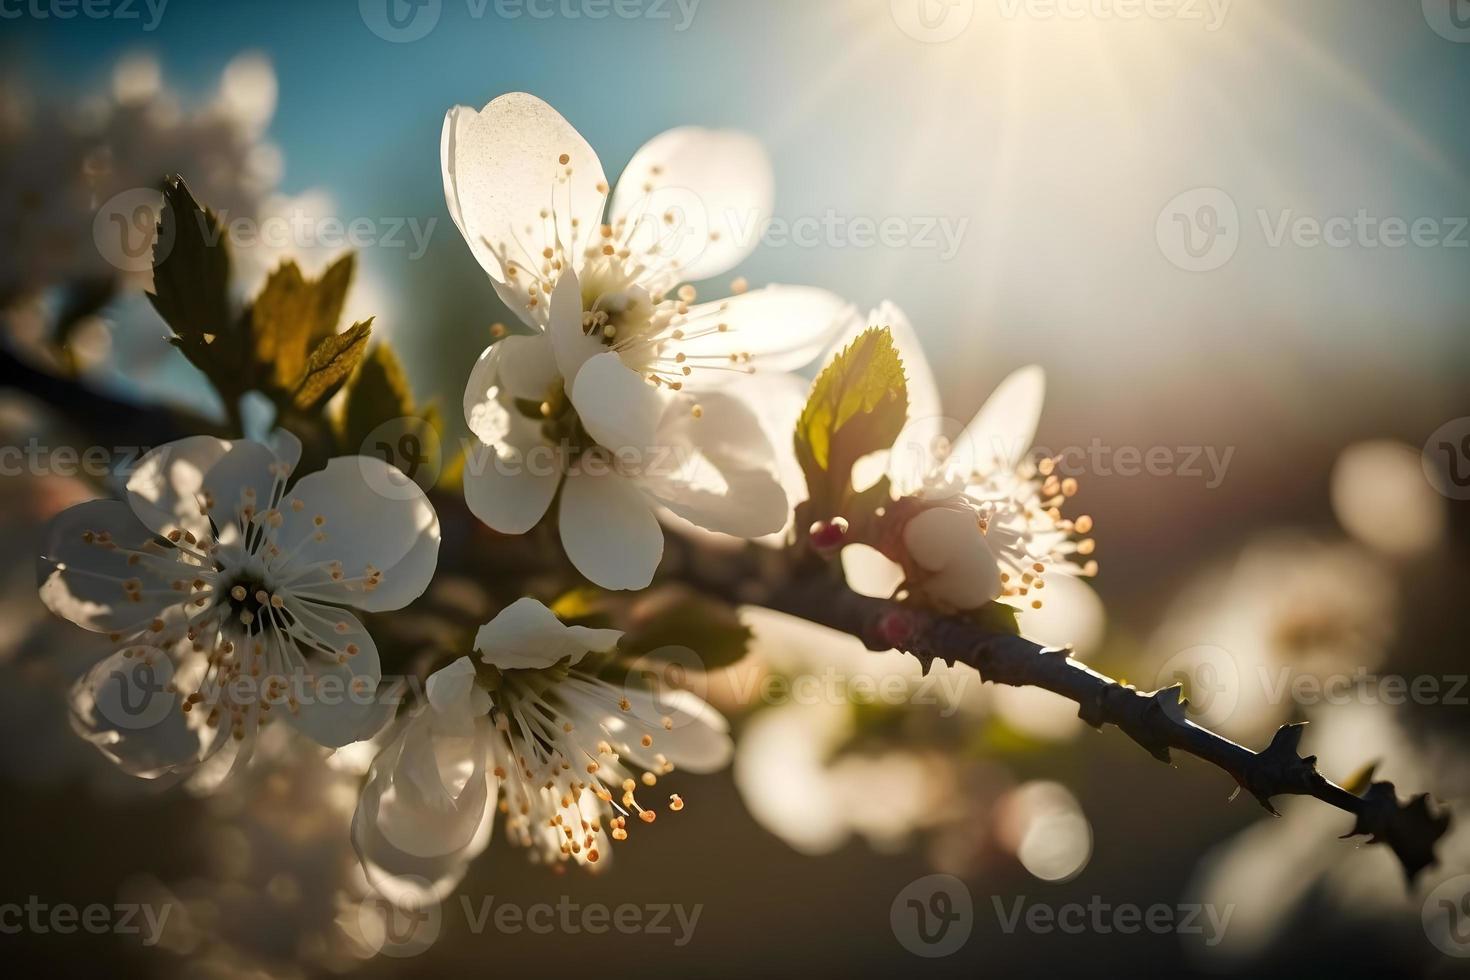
point(293, 314)
point(331, 295)
point(1358, 783)
point(858, 406)
point(191, 287)
point(583, 605)
point(330, 365)
point(378, 393)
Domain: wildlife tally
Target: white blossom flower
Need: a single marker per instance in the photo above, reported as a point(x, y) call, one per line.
point(598, 400)
point(563, 751)
point(1287, 609)
point(801, 766)
point(220, 577)
point(1283, 873)
point(977, 519)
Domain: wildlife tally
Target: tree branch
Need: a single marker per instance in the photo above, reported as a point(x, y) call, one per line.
point(1155, 719)
point(809, 590)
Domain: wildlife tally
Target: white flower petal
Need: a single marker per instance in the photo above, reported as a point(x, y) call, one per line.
point(453, 694)
point(164, 487)
point(509, 487)
point(484, 412)
point(609, 531)
point(285, 446)
point(699, 741)
point(1001, 433)
point(124, 707)
point(527, 367)
point(527, 635)
point(83, 582)
point(569, 342)
point(439, 796)
point(782, 328)
point(243, 476)
point(502, 169)
point(720, 476)
point(387, 818)
point(617, 406)
point(781, 772)
point(397, 534)
point(337, 703)
point(717, 184)
point(870, 572)
point(948, 543)
point(1070, 613)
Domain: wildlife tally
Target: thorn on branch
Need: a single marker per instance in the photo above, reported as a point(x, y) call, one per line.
point(1410, 830)
point(1279, 769)
point(1148, 718)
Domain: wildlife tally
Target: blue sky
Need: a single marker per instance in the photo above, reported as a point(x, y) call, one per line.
point(1049, 143)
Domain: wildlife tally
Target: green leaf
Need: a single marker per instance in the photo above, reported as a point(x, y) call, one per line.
point(682, 619)
point(293, 315)
point(858, 406)
point(330, 294)
point(330, 365)
point(378, 393)
point(191, 277)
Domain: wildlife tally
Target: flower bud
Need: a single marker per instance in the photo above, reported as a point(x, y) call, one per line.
point(944, 553)
point(828, 537)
